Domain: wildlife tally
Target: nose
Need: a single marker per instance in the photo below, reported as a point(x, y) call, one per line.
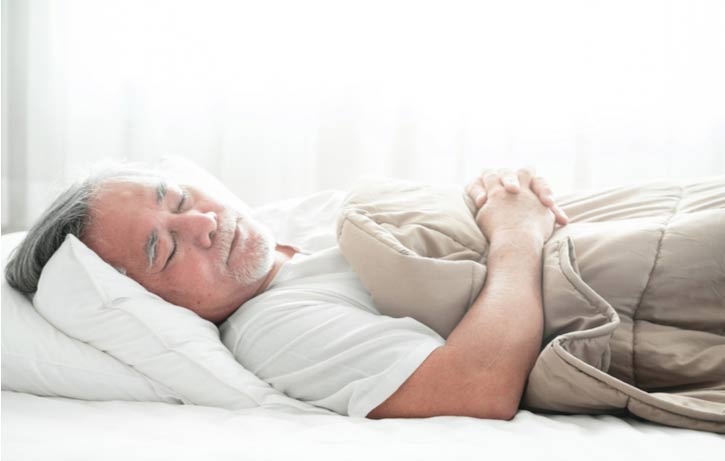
point(198, 227)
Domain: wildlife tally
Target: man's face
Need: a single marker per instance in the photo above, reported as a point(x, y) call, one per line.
point(181, 244)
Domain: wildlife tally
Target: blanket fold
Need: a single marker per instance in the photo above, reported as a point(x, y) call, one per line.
point(633, 289)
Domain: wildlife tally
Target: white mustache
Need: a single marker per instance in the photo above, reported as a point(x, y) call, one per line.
point(226, 227)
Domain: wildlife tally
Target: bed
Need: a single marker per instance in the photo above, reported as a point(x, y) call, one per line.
point(44, 423)
point(43, 428)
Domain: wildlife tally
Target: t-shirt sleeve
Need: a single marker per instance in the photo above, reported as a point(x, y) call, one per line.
point(330, 355)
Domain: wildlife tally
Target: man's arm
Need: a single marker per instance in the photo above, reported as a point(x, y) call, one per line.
point(482, 369)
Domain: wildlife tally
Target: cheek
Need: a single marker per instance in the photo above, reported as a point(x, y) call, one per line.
point(192, 285)
point(193, 297)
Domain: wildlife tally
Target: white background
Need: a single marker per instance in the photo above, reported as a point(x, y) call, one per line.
point(286, 98)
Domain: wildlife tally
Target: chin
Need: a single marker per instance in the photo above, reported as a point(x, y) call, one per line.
point(259, 259)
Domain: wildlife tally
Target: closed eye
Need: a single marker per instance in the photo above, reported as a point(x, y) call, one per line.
point(184, 196)
point(173, 250)
point(182, 201)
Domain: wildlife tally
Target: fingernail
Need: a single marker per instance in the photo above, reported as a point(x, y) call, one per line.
point(479, 197)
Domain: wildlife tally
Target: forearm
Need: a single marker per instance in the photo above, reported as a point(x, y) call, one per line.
point(501, 333)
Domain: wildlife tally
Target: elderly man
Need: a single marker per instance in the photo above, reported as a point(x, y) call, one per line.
point(191, 249)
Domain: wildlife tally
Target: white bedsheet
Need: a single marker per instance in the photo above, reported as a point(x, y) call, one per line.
point(45, 428)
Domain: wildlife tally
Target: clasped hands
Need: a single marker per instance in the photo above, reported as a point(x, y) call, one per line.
point(513, 181)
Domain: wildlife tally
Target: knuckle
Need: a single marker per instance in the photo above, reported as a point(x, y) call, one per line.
point(526, 171)
point(540, 180)
point(497, 192)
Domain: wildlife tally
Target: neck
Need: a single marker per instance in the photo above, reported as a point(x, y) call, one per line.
point(283, 254)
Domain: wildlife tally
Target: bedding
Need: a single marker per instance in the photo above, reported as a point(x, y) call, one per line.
point(101, 336)
point(42, 428)
point(39, 359)
point(109, 339)
point(633, 289)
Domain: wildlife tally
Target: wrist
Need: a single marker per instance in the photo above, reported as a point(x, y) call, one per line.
point(518, 237)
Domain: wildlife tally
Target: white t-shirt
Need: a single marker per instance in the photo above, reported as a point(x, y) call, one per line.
point(316, 335)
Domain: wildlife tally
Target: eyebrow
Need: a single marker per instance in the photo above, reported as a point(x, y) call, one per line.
point(153, 240)
point(151, 248)
point(160, 192)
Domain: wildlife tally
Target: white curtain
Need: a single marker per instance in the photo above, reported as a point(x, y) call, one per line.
point(286, 98)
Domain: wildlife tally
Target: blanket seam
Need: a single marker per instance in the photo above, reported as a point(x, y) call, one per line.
point(665, 227)
point(444, 234)
point(631, 397)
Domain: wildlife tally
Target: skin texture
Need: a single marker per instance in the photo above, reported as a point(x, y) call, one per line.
point(203, 274)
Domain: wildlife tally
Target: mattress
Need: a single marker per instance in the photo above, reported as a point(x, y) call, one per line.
point(45, 428)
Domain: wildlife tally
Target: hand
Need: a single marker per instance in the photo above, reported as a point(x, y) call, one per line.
point(513, 214)
point(511, 182)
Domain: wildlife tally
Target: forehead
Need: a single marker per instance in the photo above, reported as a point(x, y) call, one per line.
point(142, 188)
point(113, 192)
point(122, 215)
point(124, 186)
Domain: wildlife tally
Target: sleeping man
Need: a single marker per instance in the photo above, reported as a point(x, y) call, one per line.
point(309, 327)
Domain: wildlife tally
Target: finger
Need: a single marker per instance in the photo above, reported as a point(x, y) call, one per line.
point(480, 199)
point(541, 188)
point(561, 217)
point(477, 191)
point(509, 180)
point(491, 181)
point(525, 175)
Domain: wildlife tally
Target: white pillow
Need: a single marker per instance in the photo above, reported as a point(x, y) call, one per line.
point(166, 343)
point(39, 359)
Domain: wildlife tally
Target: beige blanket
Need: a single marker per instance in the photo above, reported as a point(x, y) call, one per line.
point(634, 289)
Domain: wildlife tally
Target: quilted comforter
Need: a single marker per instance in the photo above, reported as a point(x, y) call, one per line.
point(633, 289)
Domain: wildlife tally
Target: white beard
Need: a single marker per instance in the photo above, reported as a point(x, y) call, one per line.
point(259, 256)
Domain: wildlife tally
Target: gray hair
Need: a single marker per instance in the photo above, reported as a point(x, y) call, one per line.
point(68, 214)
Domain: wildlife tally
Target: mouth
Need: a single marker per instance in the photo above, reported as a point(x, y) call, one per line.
point(234, 241)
